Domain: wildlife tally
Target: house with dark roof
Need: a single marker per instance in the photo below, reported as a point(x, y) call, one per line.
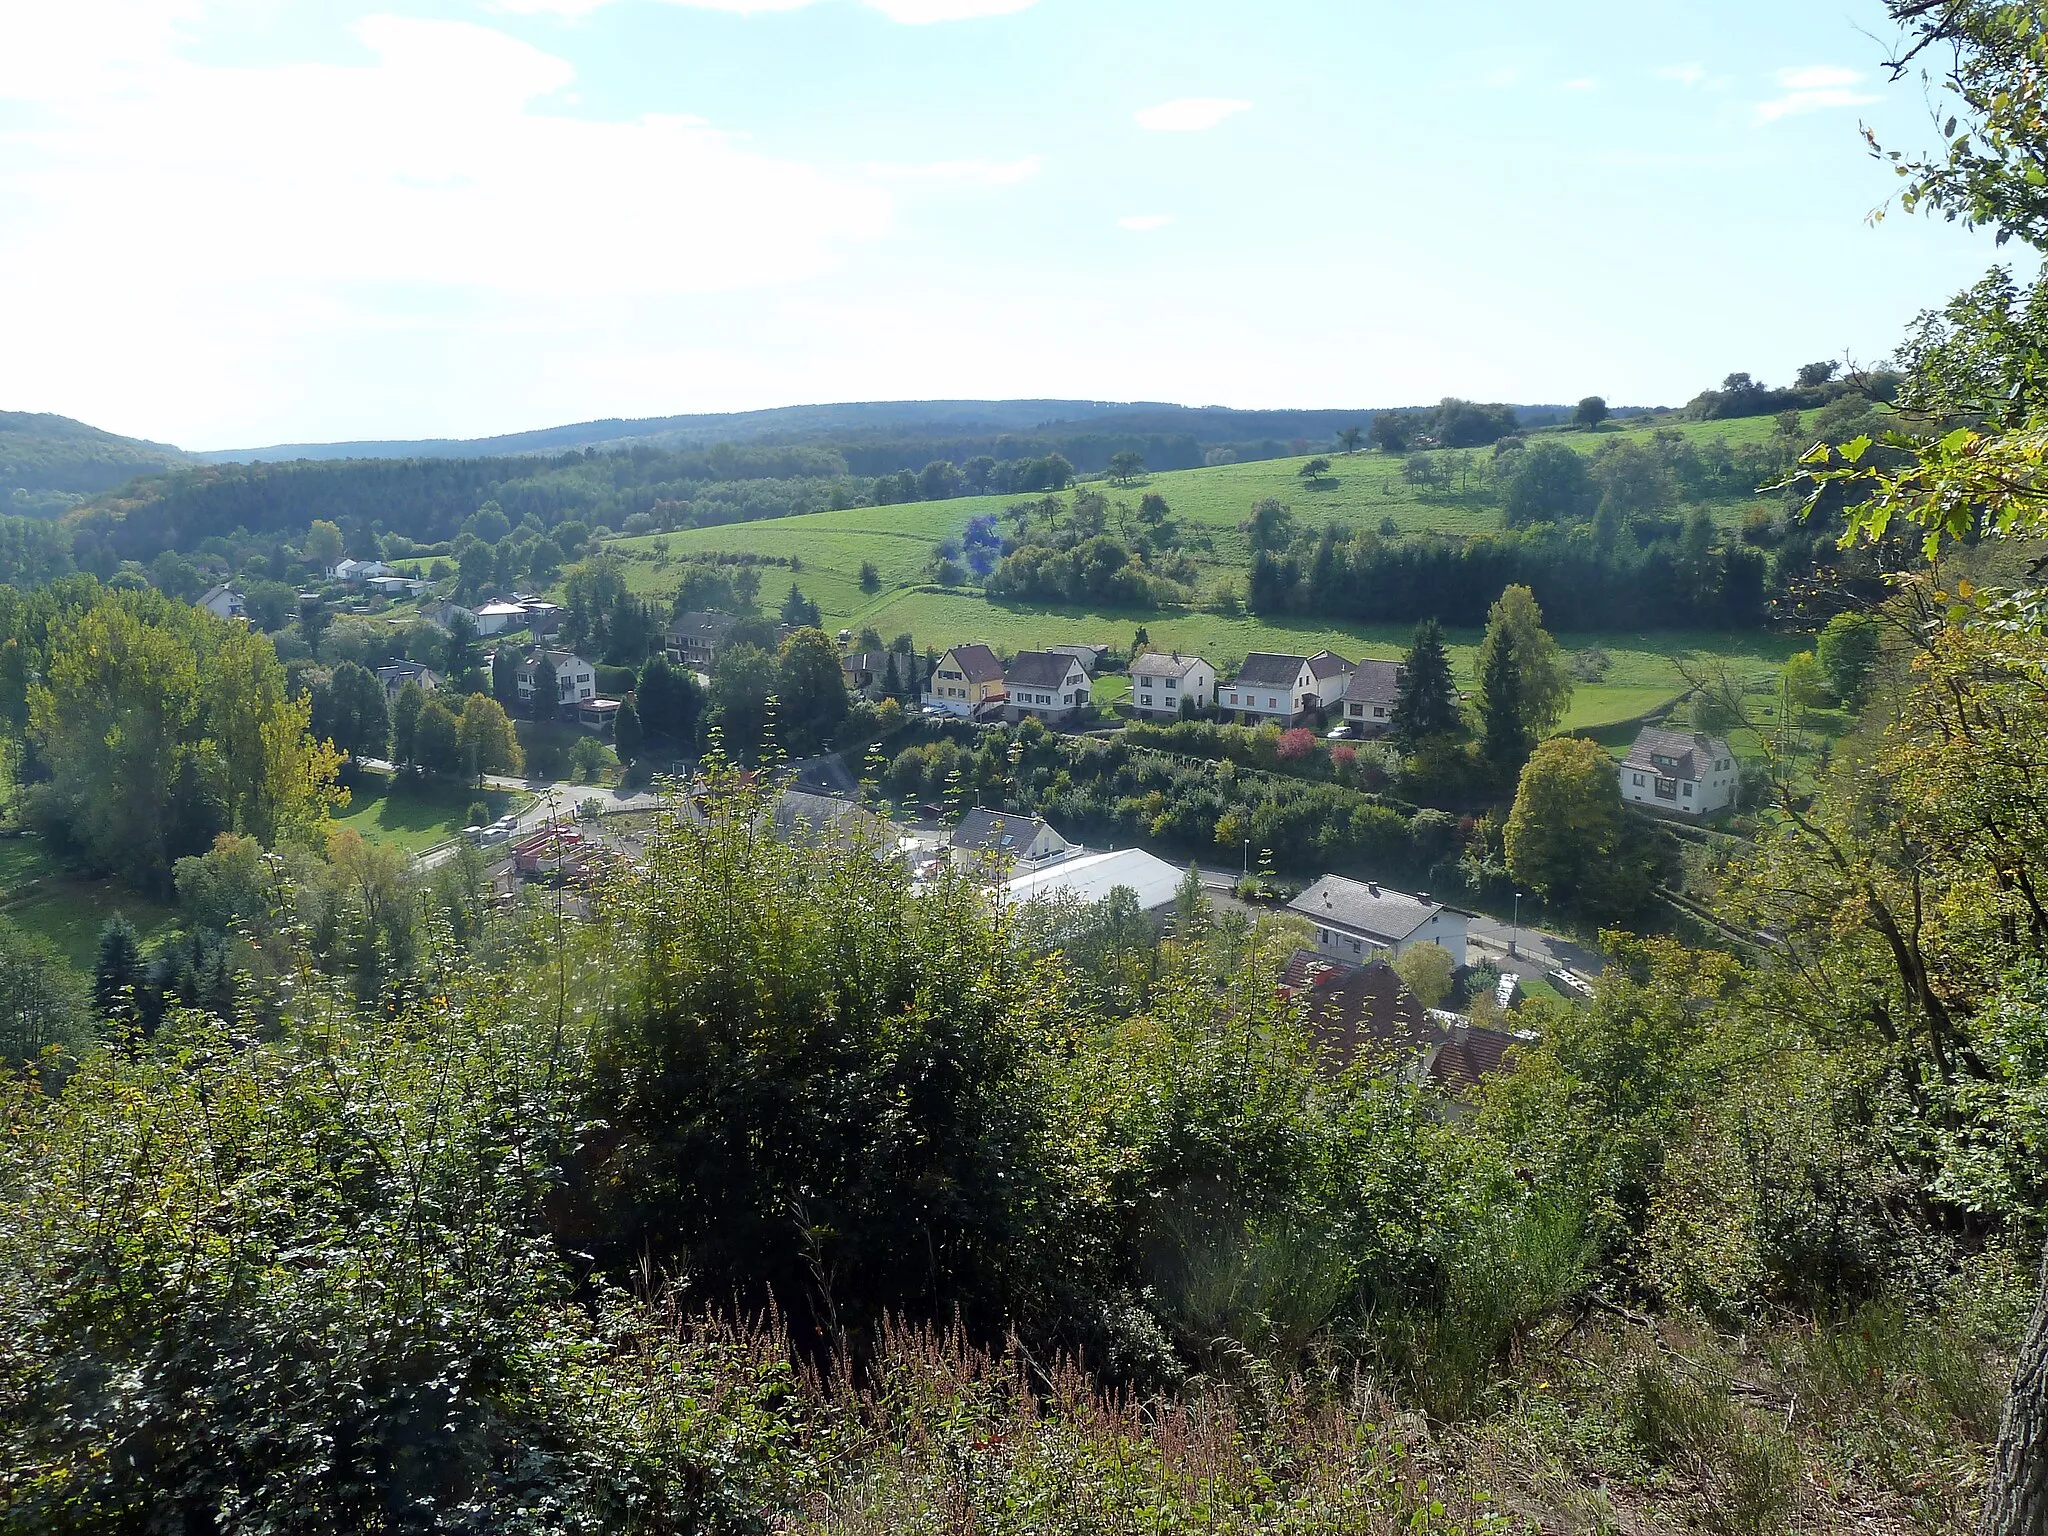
point(800, 816)
point(966, 678)
point(1164, 686)
point(1359, 921)
point(395, 675)
point(1683, 773)
point(1287, 690)
point(1369, 697)
point(1046, 685)
point(693, 639)
point(1025, 841)
point(1366, 1014)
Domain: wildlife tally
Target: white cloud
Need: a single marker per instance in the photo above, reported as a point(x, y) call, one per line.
point(431, 164)
point(1144, 223)
point(910, 12)
point(922, 12)
point(1190, 114)
point(256, 222)
point(1814, 88)
point(1583, 83)
point(965, 173)
point(1687, 75)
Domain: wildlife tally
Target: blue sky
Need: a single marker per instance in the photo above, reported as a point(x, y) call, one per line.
point(230, 222)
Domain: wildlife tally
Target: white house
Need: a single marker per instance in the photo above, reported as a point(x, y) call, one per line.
point(223, 603)
point(1047, 685)
point(1161, 684)
point(496, 618)
point(1688, 774)
point(575, 678)
point(1285, 689)
point(358, 570)
point(1024, 840)
point(1369, 697)
point(1358, 921)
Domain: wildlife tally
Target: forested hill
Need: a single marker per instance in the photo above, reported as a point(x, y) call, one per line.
point(881, 437)
point(48, 463)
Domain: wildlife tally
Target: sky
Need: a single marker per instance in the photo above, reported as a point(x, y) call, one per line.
point(226, 223)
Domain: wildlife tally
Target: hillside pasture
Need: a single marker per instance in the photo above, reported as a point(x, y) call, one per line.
point(1360, 490)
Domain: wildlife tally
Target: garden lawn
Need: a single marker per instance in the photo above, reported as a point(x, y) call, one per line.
point(69, 910)
point(417, 814)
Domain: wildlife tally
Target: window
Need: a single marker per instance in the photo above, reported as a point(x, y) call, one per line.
point(1322, 935)
point(1173, 682)
point(1688, 791)
point(1639, 780)
point(1667, 789)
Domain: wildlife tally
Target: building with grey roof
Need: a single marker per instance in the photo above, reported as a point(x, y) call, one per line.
point(1026, 840)
point(1284, 689)
point(1165, 685)
point(1359, 921)
point(1370, 695)
point(1047, 685)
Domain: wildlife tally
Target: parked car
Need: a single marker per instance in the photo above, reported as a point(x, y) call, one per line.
point(1338, 733)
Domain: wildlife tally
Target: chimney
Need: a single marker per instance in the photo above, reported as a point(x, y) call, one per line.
point(1422, 896)
point(1371, 885)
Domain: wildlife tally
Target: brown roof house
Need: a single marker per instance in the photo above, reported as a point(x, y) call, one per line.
point(1683, 773)
point(966, 678)
point(1366, 1013)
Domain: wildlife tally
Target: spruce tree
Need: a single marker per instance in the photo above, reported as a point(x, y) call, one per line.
point(1425, 700)
point(1503, 729)
point(626, 733)
point(117, 970)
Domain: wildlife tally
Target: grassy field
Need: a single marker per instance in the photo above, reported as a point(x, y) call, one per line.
point(416, 816)
point(41, 897)
point(1362, 489)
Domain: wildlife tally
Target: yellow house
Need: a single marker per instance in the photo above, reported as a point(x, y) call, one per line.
point(966, 677)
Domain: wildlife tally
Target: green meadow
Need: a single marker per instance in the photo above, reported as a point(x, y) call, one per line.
point(415, 816)
point(1361, 490)
point(42, 897)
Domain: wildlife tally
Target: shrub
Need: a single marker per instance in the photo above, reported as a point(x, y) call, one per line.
point(1294, 746)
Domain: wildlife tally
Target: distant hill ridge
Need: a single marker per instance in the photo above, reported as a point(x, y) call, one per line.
point(857, 420)
point(48, 462)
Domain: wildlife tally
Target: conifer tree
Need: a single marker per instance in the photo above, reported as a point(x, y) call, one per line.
point(1425, 701)
point(117, 970)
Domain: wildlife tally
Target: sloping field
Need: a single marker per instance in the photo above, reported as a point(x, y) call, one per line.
point(1361, 490)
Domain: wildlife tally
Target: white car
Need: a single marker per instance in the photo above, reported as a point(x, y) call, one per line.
point(1338, 733)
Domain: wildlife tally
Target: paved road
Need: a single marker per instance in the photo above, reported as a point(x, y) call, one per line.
point(1536, 952)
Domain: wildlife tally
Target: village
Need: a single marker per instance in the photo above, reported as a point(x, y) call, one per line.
point(1349, 981)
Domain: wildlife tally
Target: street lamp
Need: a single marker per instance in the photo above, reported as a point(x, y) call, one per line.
point(1245, 869)
point(1515, 934)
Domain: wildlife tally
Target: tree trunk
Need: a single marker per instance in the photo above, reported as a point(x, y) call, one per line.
point(2017, 1502)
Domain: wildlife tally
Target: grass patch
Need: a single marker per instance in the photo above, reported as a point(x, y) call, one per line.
point(415, 814)
point(42, 897)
